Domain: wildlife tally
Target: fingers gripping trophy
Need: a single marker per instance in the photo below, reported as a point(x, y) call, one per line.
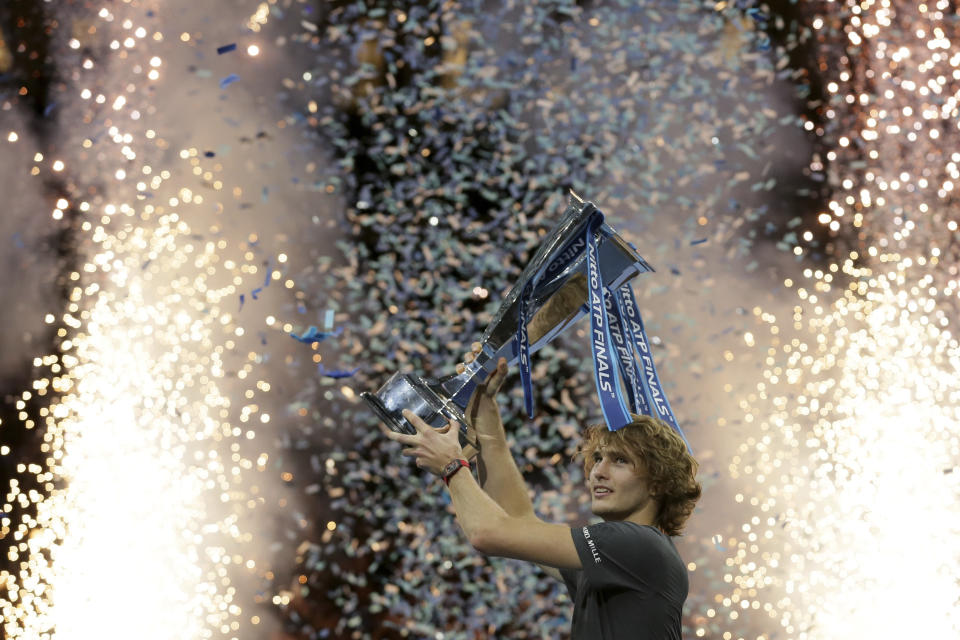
point(582, 267)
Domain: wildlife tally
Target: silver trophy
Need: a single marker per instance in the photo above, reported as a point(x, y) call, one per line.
point(554, 285)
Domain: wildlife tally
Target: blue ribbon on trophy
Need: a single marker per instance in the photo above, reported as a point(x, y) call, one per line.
point(623, 342)
point(582, 267)
point(605, 372)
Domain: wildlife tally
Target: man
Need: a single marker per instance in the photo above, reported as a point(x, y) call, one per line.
point(624, 575)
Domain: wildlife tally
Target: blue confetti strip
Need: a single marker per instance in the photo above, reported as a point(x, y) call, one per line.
point(227, 48)
point(230, 79)
point(313, 334)
point(335, 373)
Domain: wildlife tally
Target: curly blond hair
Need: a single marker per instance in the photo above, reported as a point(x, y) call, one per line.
point(662, 452)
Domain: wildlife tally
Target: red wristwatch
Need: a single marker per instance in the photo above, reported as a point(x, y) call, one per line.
point(452, 468)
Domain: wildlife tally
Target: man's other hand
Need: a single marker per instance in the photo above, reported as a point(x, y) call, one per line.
point(483, 412)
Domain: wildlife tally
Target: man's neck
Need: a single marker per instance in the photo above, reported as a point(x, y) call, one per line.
point(647, 516)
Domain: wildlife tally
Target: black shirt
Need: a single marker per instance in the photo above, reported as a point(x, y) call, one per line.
point(632, 585)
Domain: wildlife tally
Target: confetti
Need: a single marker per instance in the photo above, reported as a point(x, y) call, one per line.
point(336, 374)
point(312, 334)
point(228, 80)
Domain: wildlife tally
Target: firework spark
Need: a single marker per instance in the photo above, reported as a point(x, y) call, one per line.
point(137, 524)
point(855, 464)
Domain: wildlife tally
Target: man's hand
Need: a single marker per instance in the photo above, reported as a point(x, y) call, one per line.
point(433, 448)
point(483, 412)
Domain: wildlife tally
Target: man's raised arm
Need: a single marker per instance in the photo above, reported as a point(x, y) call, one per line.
point(488, 527)
point(498, 473)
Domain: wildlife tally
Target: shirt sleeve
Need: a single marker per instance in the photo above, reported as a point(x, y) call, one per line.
point(620, 555)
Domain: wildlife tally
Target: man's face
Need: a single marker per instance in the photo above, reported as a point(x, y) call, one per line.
point(618, 488)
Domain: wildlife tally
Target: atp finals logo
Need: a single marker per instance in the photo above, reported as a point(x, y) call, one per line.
point(619, 342)
point(650, 372)
point(600, 349)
